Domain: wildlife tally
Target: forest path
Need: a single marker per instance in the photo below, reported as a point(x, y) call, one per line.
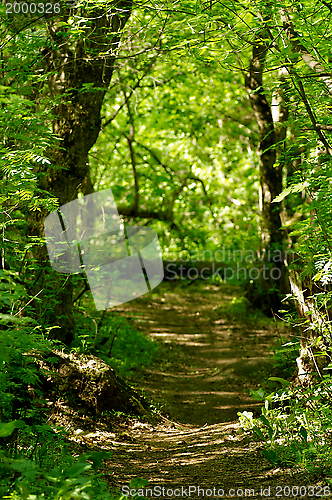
point(213, 357)
point(202, 383)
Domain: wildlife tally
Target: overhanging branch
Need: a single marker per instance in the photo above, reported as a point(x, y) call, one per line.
point(313, 64)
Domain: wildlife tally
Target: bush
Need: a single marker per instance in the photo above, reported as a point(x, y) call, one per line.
point(295, 425)
point(117, 342)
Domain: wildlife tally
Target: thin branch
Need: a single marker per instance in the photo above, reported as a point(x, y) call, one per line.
point(329, 6)
point(197, 179)
point(145, 214)
point(130, 140)
point(86, 289)
point(152, 153)
point(313, 64)
point(300, 89)
point(324, 127)
point(313, 118)
point(133, 164)
point(137, 84)
point(19, 31)
point(116, 331)
point(40, 291)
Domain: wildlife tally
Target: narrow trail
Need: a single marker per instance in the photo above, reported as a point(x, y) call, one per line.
point(210, 362)
point(201, 386)
point(214, 361)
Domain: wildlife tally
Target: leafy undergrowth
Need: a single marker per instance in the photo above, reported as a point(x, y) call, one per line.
point(115, 339)
point(240, 309)
point(49, 462)
point(69, 456)
point(38, 458)
point(295, 426)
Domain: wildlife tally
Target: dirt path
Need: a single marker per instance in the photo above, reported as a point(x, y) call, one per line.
point(211, 362)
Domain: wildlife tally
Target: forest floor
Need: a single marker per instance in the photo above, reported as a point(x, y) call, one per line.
point(210, 359)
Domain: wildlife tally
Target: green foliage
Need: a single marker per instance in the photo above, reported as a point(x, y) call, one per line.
point(21, 339)
point(117, 342)
point(131, 348)
point(295, 425)
point(195, 174)
point(41, 477)
point(240, 308)
point(45, 467)
point(178, 148)
point(284, 356)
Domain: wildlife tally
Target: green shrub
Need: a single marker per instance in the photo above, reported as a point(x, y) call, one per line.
point(295, 425)
point(240, 308)
point(117, 342)
point(284, 356)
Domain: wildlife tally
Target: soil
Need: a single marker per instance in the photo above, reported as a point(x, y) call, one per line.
point(211, 359)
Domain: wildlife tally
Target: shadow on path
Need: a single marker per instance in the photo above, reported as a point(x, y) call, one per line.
point(209, 364)
point(212, 361)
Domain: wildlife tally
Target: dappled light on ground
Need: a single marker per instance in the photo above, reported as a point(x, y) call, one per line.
point(209, 361)
point(212, 362)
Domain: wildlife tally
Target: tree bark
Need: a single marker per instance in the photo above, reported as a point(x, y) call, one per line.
point(79, 78)
point(270, 175)
point(88, 384)
point(270, 183)
point(310, 361)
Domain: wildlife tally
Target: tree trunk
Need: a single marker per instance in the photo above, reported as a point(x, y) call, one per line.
point(270, 184)
point(270, 175)
point(87, 384)
point(79, 78)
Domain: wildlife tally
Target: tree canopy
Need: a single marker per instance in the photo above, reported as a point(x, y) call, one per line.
point(209, 120)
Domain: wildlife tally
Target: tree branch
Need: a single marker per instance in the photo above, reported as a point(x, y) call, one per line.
point(329, 6)
point(313, 64)
point(324, 127)
point(162, 215)
point(137, 84)
point(130, 140)
point(311, 114)
point(152, 153)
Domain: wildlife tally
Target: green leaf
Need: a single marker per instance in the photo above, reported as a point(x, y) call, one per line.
point(304, 434)
point(271, 456)
point(265, 421)
point(98, 456)
point(282, 381)
point(138, 483)
point(76, 469)
point(298, 457)
point(7, 428)
point(258, 432)
point(258, 395)
point(294, 188)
